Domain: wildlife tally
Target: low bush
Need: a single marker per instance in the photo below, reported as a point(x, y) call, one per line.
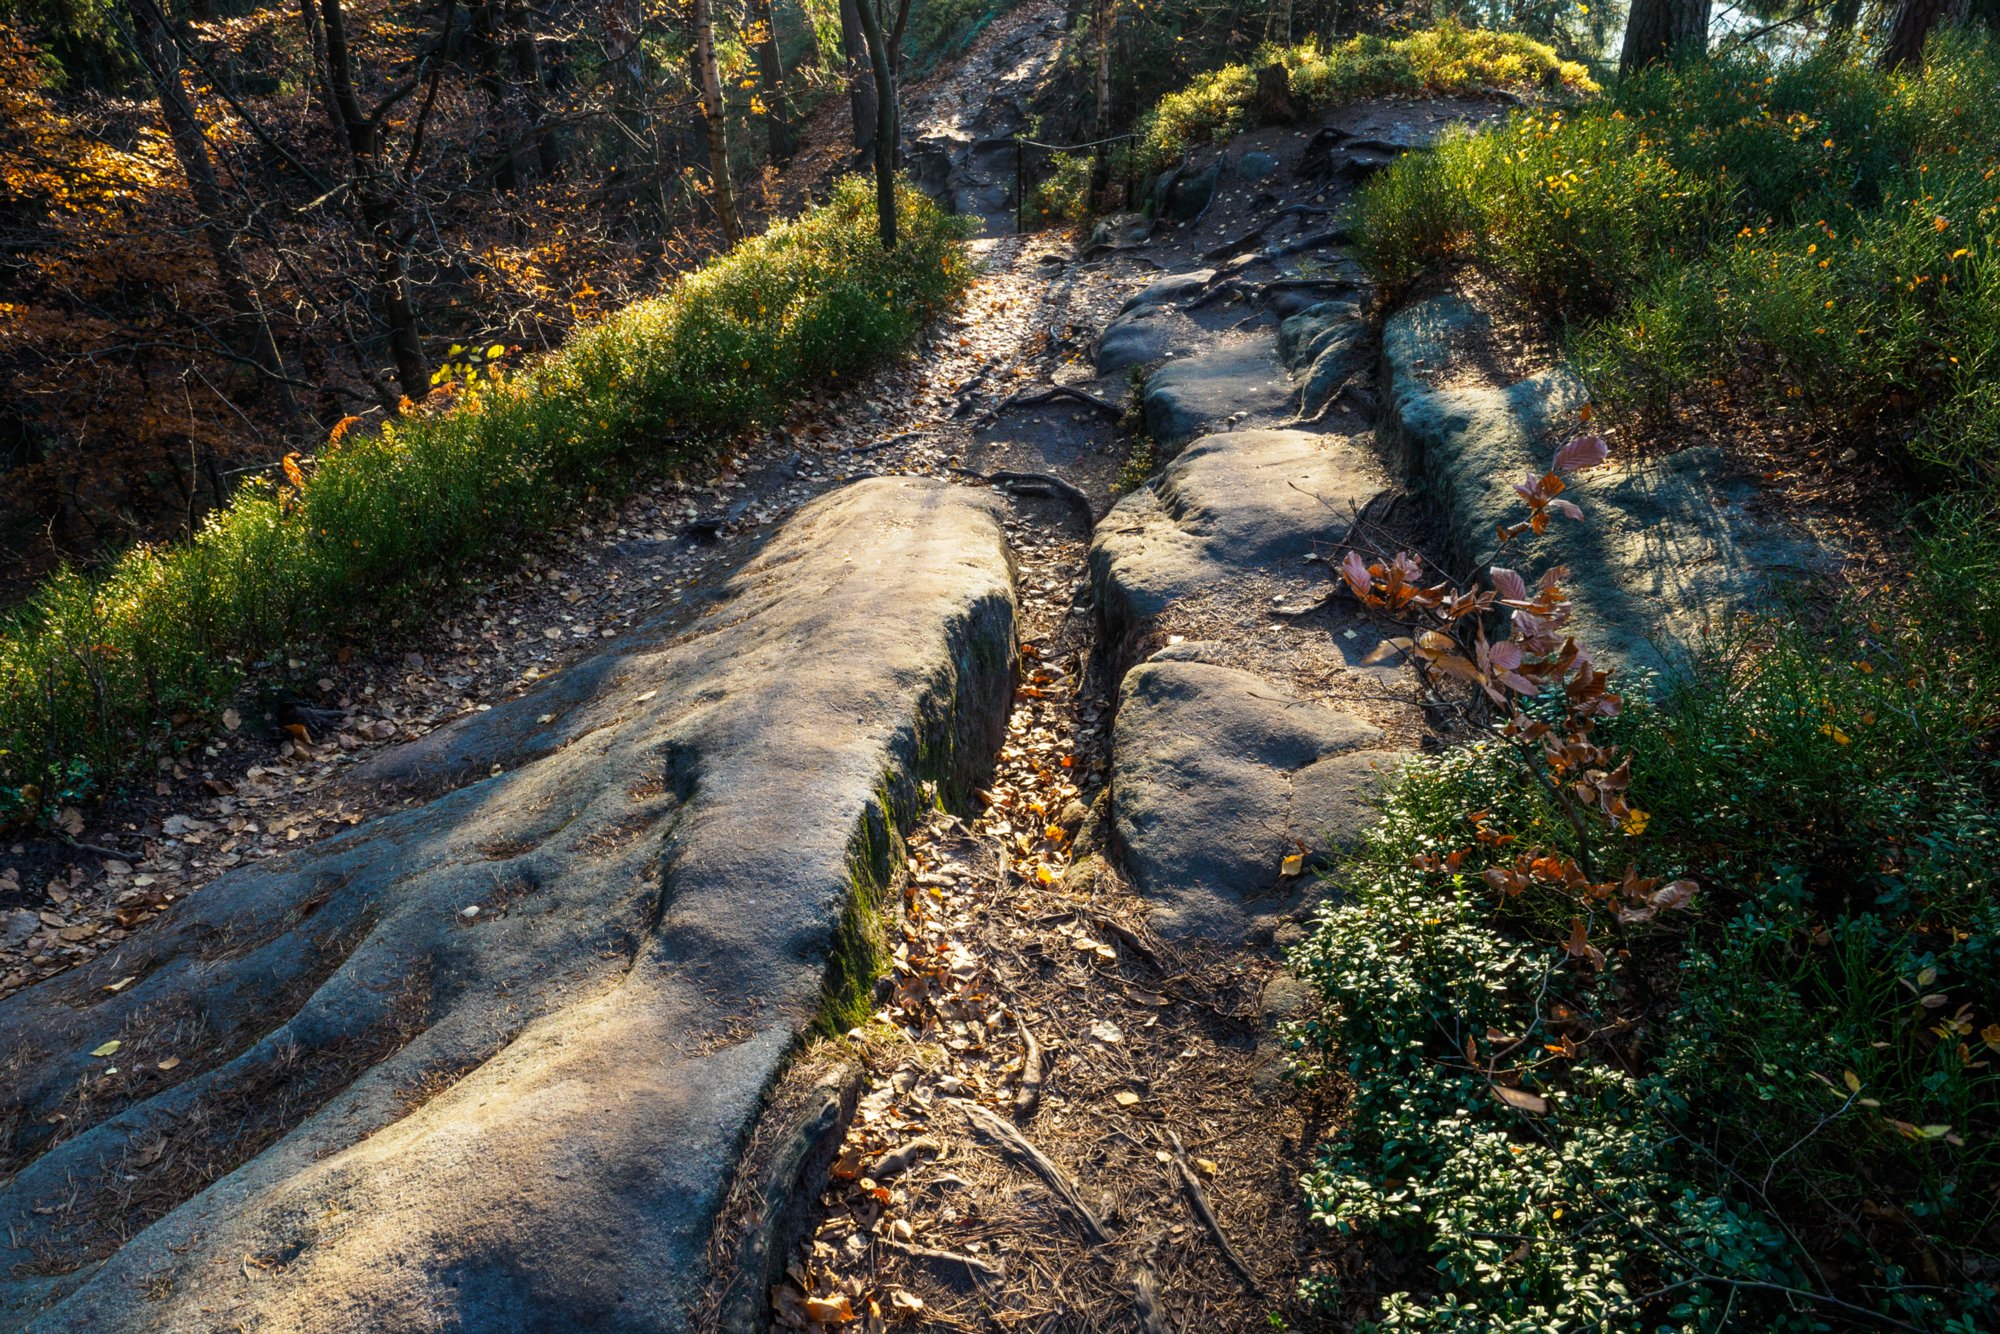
point(1773, 1107)
point(97, 670)
point(1447, 59)
point(1063, 193)
point(1822, 225)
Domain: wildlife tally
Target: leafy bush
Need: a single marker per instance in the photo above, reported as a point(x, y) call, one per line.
point(1446, 59)
point(1831, 225)
point(1786, 1116)
point(95, 670)
point(1063, 194)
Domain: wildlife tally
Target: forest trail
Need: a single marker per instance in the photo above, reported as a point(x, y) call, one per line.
point(1088, 951)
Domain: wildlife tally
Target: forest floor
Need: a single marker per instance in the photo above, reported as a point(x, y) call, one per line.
point(1023, 951)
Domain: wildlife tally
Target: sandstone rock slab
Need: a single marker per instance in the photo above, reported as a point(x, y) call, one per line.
point(1173, 287)
point(1231, 380)
point(346, 1100)
point(1242, 500)
point(1667, 546)
point(1141, 336)
point(1207, 788)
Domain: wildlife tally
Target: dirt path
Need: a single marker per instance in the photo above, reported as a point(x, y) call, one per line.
point(1149, 1180)
point(275, 780)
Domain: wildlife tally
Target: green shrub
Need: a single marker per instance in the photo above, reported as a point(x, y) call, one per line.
point(1754, 1125)
point(94, 671)
point(1447, 59)
point(1830, 226)
point(1063, 194)
point(1780, 1104)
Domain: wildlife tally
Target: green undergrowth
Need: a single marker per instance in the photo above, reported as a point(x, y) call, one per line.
point(1777, 1110)
point(1449, 58)
point(97, 672)
point(1816, 228)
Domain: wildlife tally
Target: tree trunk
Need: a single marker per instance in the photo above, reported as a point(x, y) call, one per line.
point(1912, 25)
point(1100, 23)
point(860, 86)
point(635, 146)
point(721, 191)
point(533, 82)
point(252, 330)
point(1840, 19)
point(763, 37)
point(1278, 23)
point(486, 46)
point(885, 121)
point(375, 204)
point(1663, 30)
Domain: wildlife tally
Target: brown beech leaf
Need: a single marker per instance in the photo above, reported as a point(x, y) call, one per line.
point(1522, 1100)
point(1586, 451)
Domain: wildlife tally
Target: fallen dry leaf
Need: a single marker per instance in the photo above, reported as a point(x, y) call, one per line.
point(834, 1310)
point(1522, 1099)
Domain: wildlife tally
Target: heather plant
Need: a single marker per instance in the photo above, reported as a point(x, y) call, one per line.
point(1824, 225)
point(1447, 59)
point(1593, 1099)
point(98, 671)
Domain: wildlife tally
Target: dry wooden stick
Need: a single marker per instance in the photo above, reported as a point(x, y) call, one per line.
point(1198, 1201)
point(1016, 1146)
point(946, 1263)
point(902, 1158)
point(1028, 1096)
point(1146, 1292)
point(1131, 940)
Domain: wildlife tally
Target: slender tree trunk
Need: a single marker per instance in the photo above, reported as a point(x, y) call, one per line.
point(252, 329)
point(895, 73)
point(1278, 23)
point(721, 190)
point(860, 86)
point(526, 49)
point(486, 45)
point(375, 203)
point(1100, 24)
point(763, 37)
point(885, 121)
point(1912, 25)
point(1663, 30)
point(625, 59)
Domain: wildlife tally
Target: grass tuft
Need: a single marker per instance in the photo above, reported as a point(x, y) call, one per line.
point(98, 671)
point(1827, 225)
point(1449, 58)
